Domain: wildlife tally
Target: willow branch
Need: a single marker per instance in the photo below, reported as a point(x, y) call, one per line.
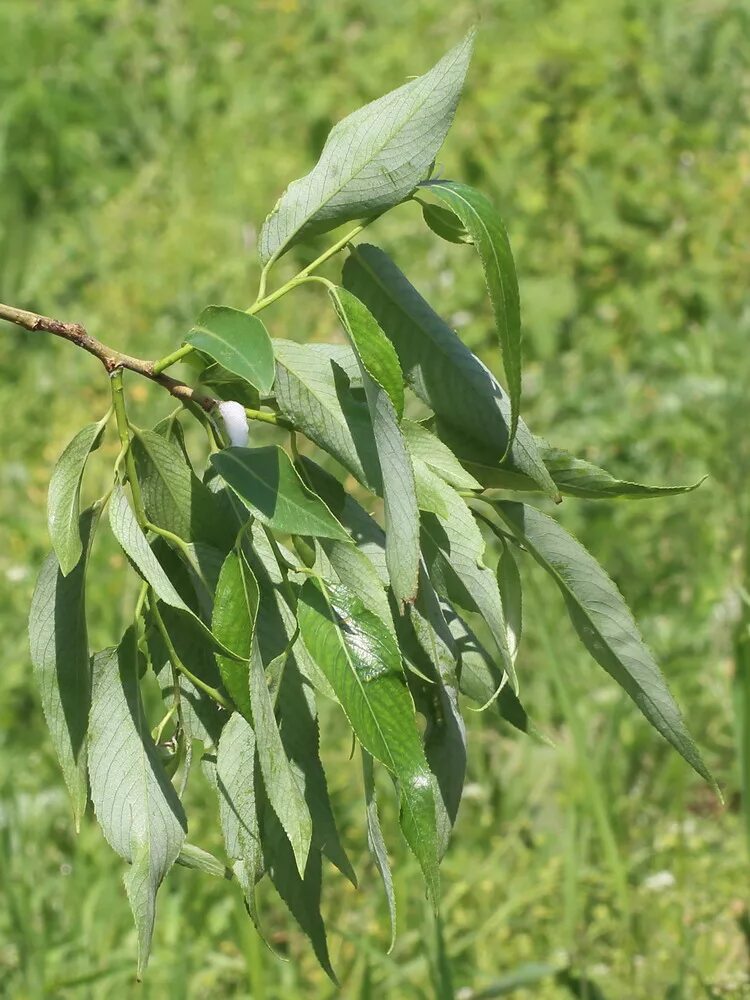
point(110, 358)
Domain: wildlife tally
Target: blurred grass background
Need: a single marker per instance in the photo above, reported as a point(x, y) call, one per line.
point(141, 146)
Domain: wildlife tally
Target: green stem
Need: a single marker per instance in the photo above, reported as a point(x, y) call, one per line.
point(177, 662)
point(172, 359)
point(269, 418)
point(123, 429)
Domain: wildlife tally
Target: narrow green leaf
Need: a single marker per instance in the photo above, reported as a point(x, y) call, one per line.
point(383, 385)
point(437, 456)
point(233, 624)
point(135, 803)
point(454, 551)
point(60, 655)
point(281, 784)
point(354, 568)
point(313, 389)
point(376, 842)
point(509, 584)
point(173, 495)
point(573, 476)
point(64, 497)
point(265, 480)
point(488, 233)
point(603, 622)
point(301, 737)
point(373, 159)
point(196, 858)
point(238, 341)
point(361, 660)
point(235, 786)
point(438, 366)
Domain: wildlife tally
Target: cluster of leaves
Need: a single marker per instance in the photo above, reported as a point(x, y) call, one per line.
point(266, 585)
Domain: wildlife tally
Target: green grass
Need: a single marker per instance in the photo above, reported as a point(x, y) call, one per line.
point(140, 148)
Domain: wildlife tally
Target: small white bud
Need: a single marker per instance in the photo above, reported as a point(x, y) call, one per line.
point(235, 420)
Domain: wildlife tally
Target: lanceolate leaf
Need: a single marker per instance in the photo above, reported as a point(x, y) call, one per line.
point(376, 842)
point(63, 501)
point(238, 341)
point(233, 624)
point(372, 159)
point(423, 444)
point(265, 480)
point(173, 495)
point(438, 366)
point(509, 584)
point(454, 552)
point(362, 662)
point(383, 384)
point(603, 622)
point(134, 543)
point(445, 223)
point(488, 234)
point(313, 389)
point(573, 476)
point(135, 803)
point(282, 787)
point(60, 655)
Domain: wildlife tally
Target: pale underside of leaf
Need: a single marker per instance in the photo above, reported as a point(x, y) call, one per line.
point(63, 500)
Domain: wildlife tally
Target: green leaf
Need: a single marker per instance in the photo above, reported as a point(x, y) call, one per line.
point(438, 366)
point(361, 660)
point(135, 803)
point(64, 497)
point(603, 622)
point(134, 543)
point(423, 444)
point(235, 786)
point(488, 233)
point(281, 784)
point(233, 624)
point(445, 735)
point(444, 223)
point(227, 385)
point(60, 655)
point(265, 480)
point(173, 495)
point(313, 389)
point(480, 678)
point(509, 585)
point(453, 547)
point(354, 568)
point(196, 858)
point(300, 734)
point(372, 159)
point(573, 476)
point(238, 341)
point(376, 842)
point(383, 385)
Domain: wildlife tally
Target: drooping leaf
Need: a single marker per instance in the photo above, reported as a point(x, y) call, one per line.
point(280, 781)
point(383, 385)
point(454, 551)
point(509, 584)
point(572, 476)
point(373, 158)
point(376, 842)
point(173, 495)
point(437, 456)
point(60, 655)
point(438, 366)
point(233, 624)
point(301, 737)
point(64, 497)
point(265, 480)
point(235, 786)
point(313, 389)
point(482, 220)
point(361, 660)
point(445, 735)
point(238, 341)
point(480, 678)
point(603, 622)
point(354, 568)
point(135, 803)
point(135, 545)
point(445, 223)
